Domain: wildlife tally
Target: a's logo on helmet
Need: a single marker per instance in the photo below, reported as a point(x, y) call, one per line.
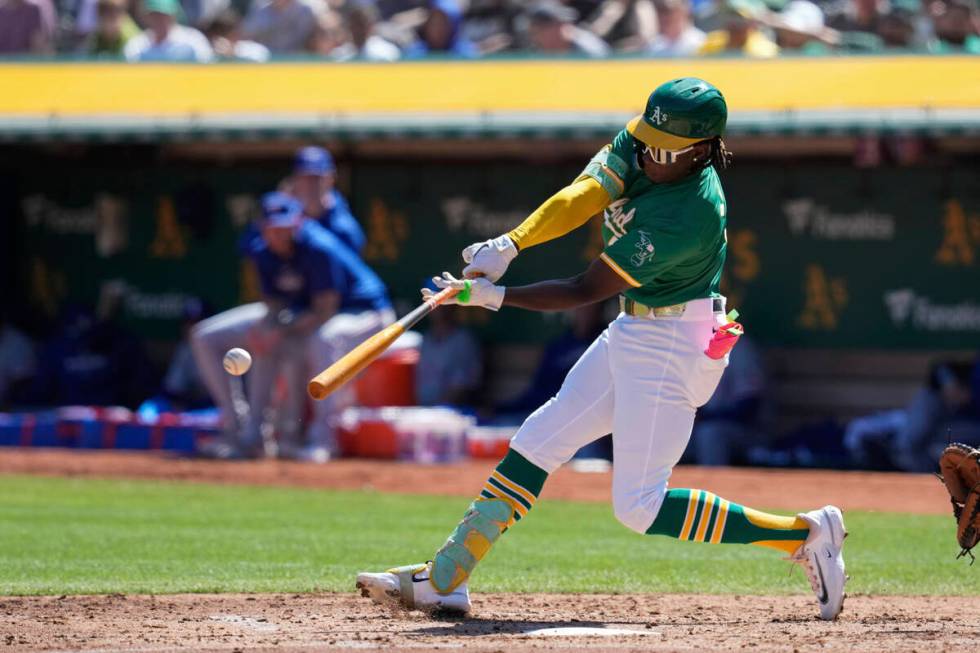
point(658, 116)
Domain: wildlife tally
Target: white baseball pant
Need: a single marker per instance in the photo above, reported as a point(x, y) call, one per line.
point(642, 380)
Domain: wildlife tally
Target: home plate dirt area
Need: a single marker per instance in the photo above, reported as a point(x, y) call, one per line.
point(499, 622)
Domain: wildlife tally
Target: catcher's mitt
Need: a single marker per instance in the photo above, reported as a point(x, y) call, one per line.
point(960, 467)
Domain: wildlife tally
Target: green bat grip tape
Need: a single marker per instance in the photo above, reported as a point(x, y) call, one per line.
point(463, 297)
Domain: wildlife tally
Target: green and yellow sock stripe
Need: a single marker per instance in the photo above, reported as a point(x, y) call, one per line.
point(700, 516)
point(704, 520)
point(719, 530)
point(500, 487)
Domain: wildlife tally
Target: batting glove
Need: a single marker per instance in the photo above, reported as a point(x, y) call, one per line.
point(472, 292)
point(490, 258)
point(724, 340)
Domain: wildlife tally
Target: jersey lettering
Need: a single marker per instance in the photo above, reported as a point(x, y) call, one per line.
point(616, 219)
point(644, 249)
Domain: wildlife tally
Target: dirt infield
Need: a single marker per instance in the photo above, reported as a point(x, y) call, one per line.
point(778, 489)
point(500, 622)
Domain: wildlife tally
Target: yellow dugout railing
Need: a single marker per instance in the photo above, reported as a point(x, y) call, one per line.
point(536, 86)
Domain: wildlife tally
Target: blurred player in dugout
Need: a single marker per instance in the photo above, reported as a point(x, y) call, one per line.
point(319, 300)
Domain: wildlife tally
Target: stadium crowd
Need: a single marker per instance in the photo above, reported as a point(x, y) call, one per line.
point(387, 30)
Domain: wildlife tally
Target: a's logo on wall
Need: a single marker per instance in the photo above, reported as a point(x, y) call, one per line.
point(386, 231)
point(826, 298)
point(658, 116)
point(961, 236)
point(644, 250)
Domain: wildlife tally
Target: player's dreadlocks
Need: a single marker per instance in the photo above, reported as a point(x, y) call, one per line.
point(718, 156)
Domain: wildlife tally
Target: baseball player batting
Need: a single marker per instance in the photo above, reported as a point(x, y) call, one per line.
point(645, 376)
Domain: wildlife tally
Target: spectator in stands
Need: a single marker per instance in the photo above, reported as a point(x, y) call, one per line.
point(859, 16)
point(678, 37)
point(450, 364)
point(552, 30)
point(283, 26)
point(328, 34)
point(26, 27)
point(18, 363)
point(441, 33)
point(319, 301)
point(957, 26)
point(585, 325)
point(225, 34)
point(741, 31)
point(896, 27)
point(200, 14)
point(947, 407)
point(491, 24)
point(364, 43)
point(799, 27)
point(164, 39)
point(313, 184)
point(113, 30)
point(730, 423)
point(627, 25)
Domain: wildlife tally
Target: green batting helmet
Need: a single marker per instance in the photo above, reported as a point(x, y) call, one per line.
point(680, 113)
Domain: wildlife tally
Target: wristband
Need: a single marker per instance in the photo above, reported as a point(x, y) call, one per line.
point(463, 296)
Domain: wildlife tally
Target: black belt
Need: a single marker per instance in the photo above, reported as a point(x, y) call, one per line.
point(636, 309)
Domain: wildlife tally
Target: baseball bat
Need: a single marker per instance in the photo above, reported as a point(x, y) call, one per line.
point(362, 355)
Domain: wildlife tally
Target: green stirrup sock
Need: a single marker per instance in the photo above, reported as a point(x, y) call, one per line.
point(506, 497)
point(700, 516)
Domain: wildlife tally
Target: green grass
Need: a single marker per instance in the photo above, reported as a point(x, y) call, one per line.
point(68, 536)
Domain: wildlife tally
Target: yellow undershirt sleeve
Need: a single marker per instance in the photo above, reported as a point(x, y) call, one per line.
point(565, 211)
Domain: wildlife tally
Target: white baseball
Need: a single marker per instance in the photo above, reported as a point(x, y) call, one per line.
point(237, 361)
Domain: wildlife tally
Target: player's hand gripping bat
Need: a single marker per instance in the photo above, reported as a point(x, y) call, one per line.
point(345, 369)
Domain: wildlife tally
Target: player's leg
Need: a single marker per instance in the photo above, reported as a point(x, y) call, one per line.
point(210, 339)
point(578, 414)
point(656, 396)
point(325, 346)
point(294, 368)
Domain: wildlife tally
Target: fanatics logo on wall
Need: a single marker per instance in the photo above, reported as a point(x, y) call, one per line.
point(908, 308)
point(805, 217)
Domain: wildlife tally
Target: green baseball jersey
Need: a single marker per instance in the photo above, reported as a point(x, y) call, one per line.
point(666, 240)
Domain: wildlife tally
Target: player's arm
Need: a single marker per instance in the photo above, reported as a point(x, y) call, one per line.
point(598, 282)
point(323, 306)
point(592, 191)
point(563, 212)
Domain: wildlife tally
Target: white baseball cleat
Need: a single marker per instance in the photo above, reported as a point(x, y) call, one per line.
point(409, 586)
point(822, 559)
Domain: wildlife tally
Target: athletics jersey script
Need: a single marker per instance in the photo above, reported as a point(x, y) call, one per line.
point(666, 240)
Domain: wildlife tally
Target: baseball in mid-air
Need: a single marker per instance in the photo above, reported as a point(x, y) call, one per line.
point(237, 361)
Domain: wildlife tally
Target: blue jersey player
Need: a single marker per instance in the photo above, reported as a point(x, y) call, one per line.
point(319, 300)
